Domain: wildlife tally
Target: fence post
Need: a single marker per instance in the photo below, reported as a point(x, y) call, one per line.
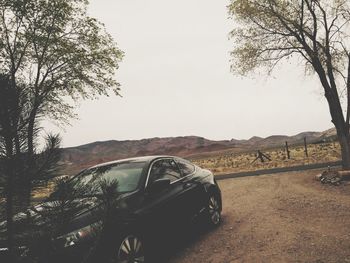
point(287, 150)
point(305, 145)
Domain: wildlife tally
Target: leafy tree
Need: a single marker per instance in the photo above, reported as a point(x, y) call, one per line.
point(57, 51)
point(50, 51)
point(316, 31)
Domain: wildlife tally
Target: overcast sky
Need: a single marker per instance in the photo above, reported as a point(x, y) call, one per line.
point(176, 80)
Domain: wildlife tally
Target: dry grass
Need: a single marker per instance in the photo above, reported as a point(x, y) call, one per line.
point(239, 162)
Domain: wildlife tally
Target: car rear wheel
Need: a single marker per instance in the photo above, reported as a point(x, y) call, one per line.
point(131, 250)
point(214, 213)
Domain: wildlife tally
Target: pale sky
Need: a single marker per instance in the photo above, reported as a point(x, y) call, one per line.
point(176, 80)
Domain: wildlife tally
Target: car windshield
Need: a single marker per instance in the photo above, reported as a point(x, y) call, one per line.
point(126, 176)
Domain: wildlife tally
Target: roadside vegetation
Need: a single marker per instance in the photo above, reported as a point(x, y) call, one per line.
point(232, 162)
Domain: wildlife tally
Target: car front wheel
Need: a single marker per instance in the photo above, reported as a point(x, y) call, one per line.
point(131, 250)
point(214, 213)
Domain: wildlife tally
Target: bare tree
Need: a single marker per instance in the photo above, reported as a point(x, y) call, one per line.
point(317, 31)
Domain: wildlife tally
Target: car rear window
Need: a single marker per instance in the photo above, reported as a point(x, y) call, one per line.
point(185, 167)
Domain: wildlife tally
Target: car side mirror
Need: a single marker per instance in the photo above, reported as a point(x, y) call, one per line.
point(158, 185)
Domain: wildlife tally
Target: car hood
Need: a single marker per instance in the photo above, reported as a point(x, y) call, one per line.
point(56, 218)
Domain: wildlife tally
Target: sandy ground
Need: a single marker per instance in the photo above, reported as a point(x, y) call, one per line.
point(275, 218)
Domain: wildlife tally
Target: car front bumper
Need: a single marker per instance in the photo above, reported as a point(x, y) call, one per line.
point(75, 253)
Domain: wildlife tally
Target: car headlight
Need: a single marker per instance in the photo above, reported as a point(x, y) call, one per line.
point(77, 236)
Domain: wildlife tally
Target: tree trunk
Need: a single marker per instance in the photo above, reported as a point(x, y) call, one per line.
point(30, 134)
point(342, 130)
point(9, 216)
point(342, 133)
point(9, 197)
point(27, 176)
point(337, 115)
point(344, 142)
point(341, 127)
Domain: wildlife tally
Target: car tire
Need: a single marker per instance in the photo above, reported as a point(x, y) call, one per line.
point(131, 248)
point(214, 210)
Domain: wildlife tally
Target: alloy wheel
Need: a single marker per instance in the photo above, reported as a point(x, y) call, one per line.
point(131, 250)
point(214, 210)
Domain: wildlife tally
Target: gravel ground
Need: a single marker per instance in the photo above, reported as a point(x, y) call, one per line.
point(286, 217)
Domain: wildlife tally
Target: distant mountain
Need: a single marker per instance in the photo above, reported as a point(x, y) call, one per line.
point(77, 158)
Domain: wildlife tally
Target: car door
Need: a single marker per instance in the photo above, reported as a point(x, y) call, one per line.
point(162, 210)
point(193, 190)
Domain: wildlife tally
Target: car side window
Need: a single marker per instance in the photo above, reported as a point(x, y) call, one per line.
point(185, 167)
point(164, 169)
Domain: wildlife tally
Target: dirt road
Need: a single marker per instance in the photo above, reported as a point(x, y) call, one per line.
point(276, 218)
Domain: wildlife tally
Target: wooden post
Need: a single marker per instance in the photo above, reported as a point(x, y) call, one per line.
point(261, 156)
point(287, 150)
point(305, 145)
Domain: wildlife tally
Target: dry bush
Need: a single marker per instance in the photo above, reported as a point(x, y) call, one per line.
point(239, 162)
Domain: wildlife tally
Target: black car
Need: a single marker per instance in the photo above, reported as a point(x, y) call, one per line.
point(133, 203)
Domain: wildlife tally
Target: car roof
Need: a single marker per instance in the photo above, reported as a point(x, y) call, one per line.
point(134, 159)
